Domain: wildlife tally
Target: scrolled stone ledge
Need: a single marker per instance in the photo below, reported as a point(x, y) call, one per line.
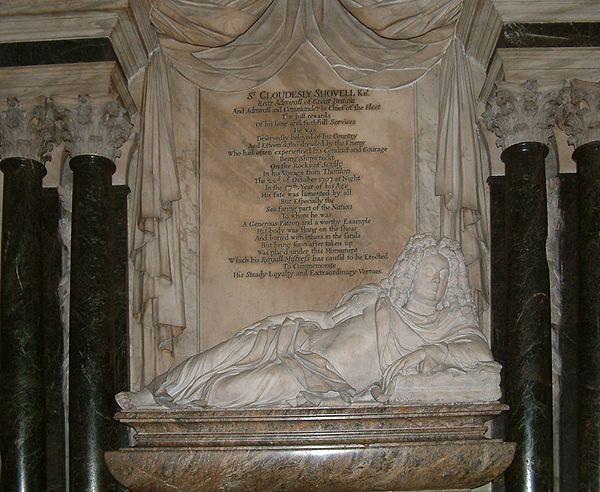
point(356, 448)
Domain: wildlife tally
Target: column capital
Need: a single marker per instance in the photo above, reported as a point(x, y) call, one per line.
point(27, 128)
point(522, 112)
point(97, 125)
point(579, 113)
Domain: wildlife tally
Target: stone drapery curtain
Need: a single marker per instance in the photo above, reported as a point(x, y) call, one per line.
point(461, 159)
point(236, 45)
point(157, 284)
point(233, 45)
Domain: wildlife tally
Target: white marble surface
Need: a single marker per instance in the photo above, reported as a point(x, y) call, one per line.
point(186, 107)
point(426, 130)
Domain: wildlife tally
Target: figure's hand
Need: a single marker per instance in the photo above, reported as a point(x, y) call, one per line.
point(410, 364)
point(422, 361)
point(351, 308)
point(416, 362)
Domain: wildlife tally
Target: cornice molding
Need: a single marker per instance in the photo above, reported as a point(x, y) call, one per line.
point(25, 7)
point(94, 78)
point(542, 64)
point(34, 20)
point(520, 64)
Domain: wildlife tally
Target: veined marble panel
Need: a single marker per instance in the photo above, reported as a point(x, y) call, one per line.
point(330, 449)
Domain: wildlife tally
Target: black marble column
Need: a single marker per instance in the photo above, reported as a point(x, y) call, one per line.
point(92, 328)
point(567, 331)
point(498, 262)
point(498, 292)
point(587, 157)
point(120, 248)
point(528, 334)
point(53, 342)
point(22, 424)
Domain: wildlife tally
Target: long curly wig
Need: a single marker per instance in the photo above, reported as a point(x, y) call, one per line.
point(458, 298)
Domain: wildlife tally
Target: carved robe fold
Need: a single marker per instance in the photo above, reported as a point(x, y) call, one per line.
point(267, 367)
point(275, 366)
point(401, 332)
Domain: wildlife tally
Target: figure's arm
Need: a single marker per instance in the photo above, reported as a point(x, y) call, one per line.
point(322, 318)
point(467, 351)
point(462, 353)
point(352, 304)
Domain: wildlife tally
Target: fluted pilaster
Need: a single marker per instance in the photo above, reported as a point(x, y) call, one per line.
point(522, 116)
point(93, 129)
point(579, 117)
point(26, 134)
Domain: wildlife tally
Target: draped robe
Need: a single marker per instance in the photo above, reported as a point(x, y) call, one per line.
point(277, 366)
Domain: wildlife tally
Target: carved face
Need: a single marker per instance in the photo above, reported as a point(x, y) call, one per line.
point(431, 280)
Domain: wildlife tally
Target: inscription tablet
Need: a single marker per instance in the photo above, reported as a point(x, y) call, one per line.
point(307, 189)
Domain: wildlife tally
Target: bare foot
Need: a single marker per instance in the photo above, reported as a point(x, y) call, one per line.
point(129, 400)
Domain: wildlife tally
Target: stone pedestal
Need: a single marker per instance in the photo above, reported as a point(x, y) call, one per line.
point(328, 449)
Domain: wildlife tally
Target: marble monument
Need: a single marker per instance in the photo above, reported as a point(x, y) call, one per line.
point(282, 153)
point(389, 390)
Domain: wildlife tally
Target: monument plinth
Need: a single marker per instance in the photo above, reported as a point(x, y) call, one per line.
point(405, 447)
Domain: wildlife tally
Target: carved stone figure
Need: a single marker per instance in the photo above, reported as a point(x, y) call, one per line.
point(400, 340)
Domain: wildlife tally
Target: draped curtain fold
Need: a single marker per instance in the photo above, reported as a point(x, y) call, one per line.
point(233, 45)
point(220, 45)
point(205, 23)
point(157, 285)
point(459, 175)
